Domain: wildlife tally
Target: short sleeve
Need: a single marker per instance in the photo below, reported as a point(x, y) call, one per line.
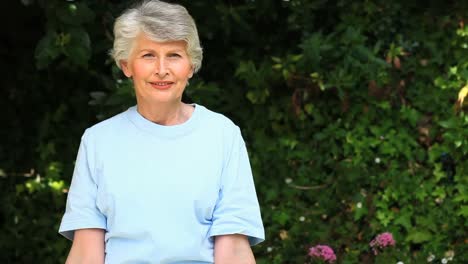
point(237, 210)
point(81, 209)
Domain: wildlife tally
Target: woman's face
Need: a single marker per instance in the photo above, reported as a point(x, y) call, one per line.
point(160, 70)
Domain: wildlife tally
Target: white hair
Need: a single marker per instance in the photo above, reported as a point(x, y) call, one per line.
point(161, 22)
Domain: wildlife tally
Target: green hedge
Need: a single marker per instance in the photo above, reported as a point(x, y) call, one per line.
point(349, 110)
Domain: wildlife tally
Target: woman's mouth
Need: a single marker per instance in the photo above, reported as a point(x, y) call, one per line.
point(161, 85)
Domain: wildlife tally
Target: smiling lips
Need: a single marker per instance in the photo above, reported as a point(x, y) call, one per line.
point(161, 85)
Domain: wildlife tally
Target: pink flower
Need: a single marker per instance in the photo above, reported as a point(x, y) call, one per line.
point(382, 241)
point(323, 252)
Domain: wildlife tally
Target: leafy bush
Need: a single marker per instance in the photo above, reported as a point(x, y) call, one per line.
point(349, 110)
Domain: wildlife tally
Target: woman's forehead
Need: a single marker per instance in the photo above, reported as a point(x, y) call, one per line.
point(142, 41)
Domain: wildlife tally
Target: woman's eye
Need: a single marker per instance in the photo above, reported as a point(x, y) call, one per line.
point(148, 55)
point(174, 55)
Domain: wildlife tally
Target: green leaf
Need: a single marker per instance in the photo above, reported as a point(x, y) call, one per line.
point(404, 219)
point(280, 217)
point(252, 96)
point(360, 212)
point(46, 50)
point(79, 48)
point(419, 236)
point(463, 211)
point(451, 123)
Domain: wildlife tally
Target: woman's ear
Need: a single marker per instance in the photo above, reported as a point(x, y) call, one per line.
point(126, 70)
point(190, 75)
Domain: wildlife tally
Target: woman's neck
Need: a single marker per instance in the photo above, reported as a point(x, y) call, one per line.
point(166, 114)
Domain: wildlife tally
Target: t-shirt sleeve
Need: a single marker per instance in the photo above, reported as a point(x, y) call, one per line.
point(237, 210)
point(81, 209)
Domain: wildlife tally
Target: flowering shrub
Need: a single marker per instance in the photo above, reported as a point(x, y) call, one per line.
point(382, 241)
point(323, 253)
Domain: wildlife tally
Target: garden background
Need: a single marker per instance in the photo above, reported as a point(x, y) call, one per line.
point(352, 112)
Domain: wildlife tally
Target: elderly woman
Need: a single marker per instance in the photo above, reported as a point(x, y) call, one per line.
point(164, 181)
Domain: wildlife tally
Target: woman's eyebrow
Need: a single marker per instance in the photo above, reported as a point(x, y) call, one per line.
point(146, 50)
point(168, 51)
point(176, 50)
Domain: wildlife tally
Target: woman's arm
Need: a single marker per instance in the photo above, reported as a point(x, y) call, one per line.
point(233, 249)
point(87, 247)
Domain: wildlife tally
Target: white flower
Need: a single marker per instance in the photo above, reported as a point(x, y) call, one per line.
point(444, 261)
point(363, 192)
point(359, 205)
point(269, 249)
point(324, 216)
point(439, 200)
point(288, 180)
point(119, 80)
point(400, 262)
point(450, 254)
point(430, 258)
point(377, 160)
point(302, 218)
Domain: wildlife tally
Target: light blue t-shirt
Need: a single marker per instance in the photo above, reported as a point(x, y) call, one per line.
point(162, 192)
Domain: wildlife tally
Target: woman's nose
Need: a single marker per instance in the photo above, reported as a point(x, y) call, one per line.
point(161, 68)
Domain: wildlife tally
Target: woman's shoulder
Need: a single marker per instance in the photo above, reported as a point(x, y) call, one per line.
point(217, 119)
point(108, 126)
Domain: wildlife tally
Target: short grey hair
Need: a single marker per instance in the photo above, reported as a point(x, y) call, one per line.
point(161, 22)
